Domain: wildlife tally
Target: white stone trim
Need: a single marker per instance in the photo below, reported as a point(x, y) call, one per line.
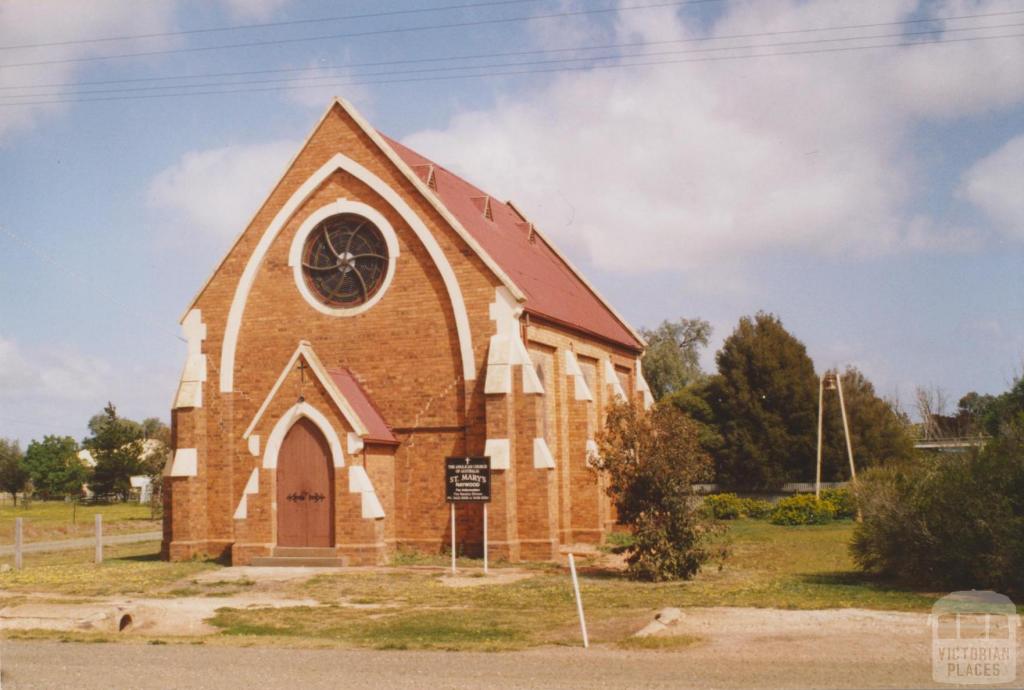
point(591, 452)
point(185, 463)
point(305, 350)
point(190, 388)
point(612, 379)
point(542, 458)
point(355, 443)
point(572, 367)
point(531, 382)
point(342, 162)
point(252, 487)
point(507, 348)
point(284, 424)
point(254, 445)
point(371, 507)
point(498, 450)
point(358, 480)
point(308, 225)
point(359, 483)
point(642, 386)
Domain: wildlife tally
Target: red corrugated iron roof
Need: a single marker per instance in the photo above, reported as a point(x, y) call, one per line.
point(379, 431)
point(552, 289)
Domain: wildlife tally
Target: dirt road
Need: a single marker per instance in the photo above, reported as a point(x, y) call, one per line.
point(787, 659)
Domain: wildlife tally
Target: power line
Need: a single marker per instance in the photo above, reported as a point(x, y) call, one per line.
point(356, 34)
point(448, 58)
point(719, 58)
point(267, 25)
point(429, 70)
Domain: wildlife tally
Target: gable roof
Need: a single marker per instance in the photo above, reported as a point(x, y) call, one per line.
point(343, 389)
point(377, 430)
point(545, 281)
point(552, 288)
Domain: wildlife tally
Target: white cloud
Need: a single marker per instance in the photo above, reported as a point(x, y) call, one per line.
point(45, 21)
point(51, 373)
point(675, 166)
point(216, 191)
point(56, 389)
point(996, 185)
point(257, 10)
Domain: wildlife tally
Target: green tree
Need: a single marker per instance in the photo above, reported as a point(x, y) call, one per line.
point(13, 476)
point(1004, 414)
point(652, 459)
point(971, 412)
point(672, 359)
point(877, 432)
point(154, 429)
point(54, 466)
point(693, 402)
point(764, 399)
point(116, 444)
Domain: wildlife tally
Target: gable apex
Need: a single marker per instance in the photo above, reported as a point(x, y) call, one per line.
point(305, 352)
point(421, 185)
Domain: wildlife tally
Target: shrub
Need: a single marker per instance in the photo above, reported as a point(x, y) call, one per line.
point(844, 501)
point(803, 509)
point(952, 523)
point(724, 506)
point(652, 459)
point(731, 507)
point(757, 508)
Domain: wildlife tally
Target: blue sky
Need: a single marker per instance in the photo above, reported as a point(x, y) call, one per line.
point(873, 198)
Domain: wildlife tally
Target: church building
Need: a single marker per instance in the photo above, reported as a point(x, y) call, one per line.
point(378, 315)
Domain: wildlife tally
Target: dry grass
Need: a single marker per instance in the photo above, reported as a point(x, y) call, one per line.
point(770, 566)
point(126, 569)
point(411, 607)
point(662, 643)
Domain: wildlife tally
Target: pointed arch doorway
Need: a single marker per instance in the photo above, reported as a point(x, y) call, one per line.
point(305, 488)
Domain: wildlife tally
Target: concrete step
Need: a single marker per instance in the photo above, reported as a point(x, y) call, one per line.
point(300, 562)
point(304, 551)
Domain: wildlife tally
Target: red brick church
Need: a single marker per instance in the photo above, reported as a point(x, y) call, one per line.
point(377, 315)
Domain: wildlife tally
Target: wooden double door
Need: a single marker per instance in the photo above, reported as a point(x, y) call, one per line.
point(305, 488)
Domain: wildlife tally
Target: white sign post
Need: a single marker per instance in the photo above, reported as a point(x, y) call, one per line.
point(579, 602)
point(453, 537)
point(485, 538)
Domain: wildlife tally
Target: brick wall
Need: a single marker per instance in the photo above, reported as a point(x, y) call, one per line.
point(405, 352)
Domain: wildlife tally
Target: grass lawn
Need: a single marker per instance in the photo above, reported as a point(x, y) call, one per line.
point(55, 520)
point(770, 566)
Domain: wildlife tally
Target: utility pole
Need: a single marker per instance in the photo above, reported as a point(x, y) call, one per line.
point(832, 381)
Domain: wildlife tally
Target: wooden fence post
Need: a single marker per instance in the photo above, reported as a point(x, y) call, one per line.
point(17, 543)
point(99, 538)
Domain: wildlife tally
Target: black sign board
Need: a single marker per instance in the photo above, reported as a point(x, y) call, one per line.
point(467, 480)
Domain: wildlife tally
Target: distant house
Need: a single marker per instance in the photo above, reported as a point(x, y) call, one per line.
point(378, 314)
point(141, 482)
